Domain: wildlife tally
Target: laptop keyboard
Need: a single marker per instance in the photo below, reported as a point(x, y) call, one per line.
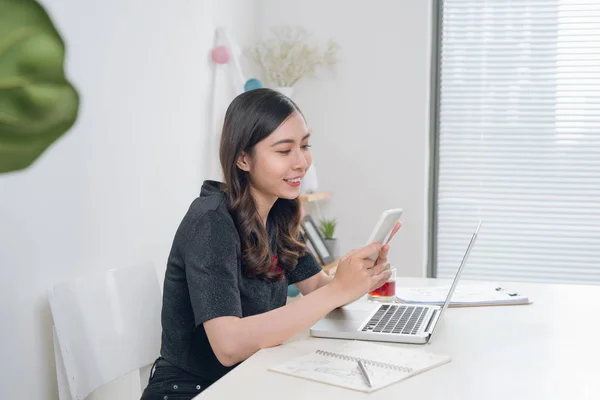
point(396, 319)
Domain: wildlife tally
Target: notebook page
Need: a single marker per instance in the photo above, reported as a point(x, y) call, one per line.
point(344, 372)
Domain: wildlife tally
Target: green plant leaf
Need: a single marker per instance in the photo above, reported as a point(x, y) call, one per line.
point(327, 227)
point(37, 103)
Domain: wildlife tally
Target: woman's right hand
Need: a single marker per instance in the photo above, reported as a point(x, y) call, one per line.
point(356, 274)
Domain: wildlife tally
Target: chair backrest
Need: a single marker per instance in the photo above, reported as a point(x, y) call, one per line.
point(106, 325)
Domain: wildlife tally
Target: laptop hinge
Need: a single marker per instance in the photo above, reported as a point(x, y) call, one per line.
point(432, 320)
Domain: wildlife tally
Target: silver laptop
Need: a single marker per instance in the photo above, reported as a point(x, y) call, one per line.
point(388, 322)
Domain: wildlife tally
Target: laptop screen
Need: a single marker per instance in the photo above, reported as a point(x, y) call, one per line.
point(456, 278)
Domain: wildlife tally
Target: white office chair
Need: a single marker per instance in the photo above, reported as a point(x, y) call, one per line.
point(106, 327)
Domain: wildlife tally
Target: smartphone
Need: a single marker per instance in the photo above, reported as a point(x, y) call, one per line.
point(384, 227)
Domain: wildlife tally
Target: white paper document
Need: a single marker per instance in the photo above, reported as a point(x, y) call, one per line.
point(470, 294)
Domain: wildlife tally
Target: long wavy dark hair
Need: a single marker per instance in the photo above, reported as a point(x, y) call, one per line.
point(251, 117)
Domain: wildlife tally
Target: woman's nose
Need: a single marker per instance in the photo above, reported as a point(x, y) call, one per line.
point(300, 162)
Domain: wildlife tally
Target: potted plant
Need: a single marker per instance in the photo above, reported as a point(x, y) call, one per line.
point(39, 104)
point(327, 227)
point(290, 56)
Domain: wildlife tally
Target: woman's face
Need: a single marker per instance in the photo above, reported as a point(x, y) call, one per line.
point(278, 163)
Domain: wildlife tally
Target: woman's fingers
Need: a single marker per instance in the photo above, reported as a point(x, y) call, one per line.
point(382, 259)
point(378, 269)
point(381, 278)
point(394, 231)
point(364, 252)
point(386, 247)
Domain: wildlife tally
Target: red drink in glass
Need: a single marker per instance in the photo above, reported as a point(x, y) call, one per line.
point(385, 292)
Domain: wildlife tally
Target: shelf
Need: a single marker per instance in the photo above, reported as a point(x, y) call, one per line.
point(307, 198)
point(331, 267)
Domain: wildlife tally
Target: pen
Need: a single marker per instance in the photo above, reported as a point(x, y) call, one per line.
point(364, 373)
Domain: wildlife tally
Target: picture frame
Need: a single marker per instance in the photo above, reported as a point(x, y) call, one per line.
point(316, 240)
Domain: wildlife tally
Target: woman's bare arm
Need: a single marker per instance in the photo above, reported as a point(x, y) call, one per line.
point(235, 339)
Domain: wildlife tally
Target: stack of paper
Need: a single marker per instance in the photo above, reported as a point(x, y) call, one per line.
point(465, 295)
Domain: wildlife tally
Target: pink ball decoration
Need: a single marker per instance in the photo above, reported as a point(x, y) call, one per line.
point(220, 54)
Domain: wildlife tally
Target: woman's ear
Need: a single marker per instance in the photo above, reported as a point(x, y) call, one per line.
point(243, 162)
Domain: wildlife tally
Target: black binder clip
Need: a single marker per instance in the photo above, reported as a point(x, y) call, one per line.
point(499, 289)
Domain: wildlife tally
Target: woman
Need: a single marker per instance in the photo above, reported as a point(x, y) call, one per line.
point(237, 249)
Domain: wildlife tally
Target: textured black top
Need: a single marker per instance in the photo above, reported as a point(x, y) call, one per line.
point(205, 279)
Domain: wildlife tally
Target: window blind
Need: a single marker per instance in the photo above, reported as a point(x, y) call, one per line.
point(519, 140)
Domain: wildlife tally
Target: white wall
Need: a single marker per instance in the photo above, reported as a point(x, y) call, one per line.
point(113, 190)
point(371, 119)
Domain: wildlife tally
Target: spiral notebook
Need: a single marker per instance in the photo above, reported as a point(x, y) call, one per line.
point(339, 367)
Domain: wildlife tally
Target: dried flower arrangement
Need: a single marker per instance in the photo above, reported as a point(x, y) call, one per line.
point(290, 56)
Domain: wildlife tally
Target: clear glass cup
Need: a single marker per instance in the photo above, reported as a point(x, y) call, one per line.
point(387, 291)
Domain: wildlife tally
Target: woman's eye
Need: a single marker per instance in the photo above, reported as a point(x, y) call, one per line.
point(285, 152)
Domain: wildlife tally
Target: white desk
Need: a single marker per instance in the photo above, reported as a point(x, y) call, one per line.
point(546, 350)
